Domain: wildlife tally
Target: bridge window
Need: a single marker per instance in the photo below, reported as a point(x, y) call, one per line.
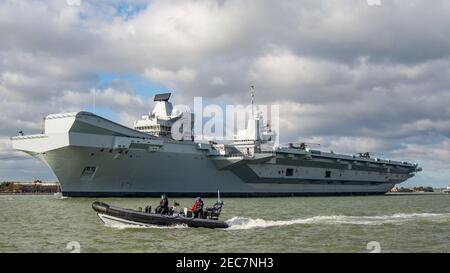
point(327, 174)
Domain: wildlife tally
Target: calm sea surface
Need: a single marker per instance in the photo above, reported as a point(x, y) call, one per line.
point(410, 223)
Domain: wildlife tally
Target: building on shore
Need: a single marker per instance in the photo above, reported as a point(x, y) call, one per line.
point(35, 187)
point(413, 189)
point(446, 190)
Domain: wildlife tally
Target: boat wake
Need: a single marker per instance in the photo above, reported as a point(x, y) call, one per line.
point(239, 223)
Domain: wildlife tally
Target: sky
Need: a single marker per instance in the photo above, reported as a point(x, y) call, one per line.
point(352, 75)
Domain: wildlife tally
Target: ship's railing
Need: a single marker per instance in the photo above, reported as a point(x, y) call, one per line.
point(29, 137)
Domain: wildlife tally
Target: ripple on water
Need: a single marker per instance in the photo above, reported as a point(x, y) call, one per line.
point(400, 224)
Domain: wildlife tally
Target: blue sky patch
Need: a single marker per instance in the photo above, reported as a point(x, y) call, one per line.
point(137, 83)
point(128, 11)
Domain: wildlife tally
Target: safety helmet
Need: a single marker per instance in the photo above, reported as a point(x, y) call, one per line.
point(163, 196)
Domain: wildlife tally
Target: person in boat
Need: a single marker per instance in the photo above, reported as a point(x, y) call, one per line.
point(197, 208)
point(163, 207)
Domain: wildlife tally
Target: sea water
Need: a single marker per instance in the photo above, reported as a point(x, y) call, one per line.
point(390, 223)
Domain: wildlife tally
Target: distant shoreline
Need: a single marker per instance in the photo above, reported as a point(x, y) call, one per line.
point(29, 193)
point(415, 193)
point(58, 193)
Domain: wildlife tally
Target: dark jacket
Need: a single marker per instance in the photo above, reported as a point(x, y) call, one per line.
point(164, 203)
point(200, 205)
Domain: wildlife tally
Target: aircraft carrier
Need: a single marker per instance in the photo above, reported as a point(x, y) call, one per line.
point(93, 156)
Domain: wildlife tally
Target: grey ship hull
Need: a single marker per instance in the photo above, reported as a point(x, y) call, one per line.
point(92, 156)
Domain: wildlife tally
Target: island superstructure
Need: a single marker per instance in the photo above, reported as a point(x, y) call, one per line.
point(93, 156)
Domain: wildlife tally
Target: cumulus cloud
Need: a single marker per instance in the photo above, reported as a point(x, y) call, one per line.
point(183, 76)
point(351, 76)
point(286, 70)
